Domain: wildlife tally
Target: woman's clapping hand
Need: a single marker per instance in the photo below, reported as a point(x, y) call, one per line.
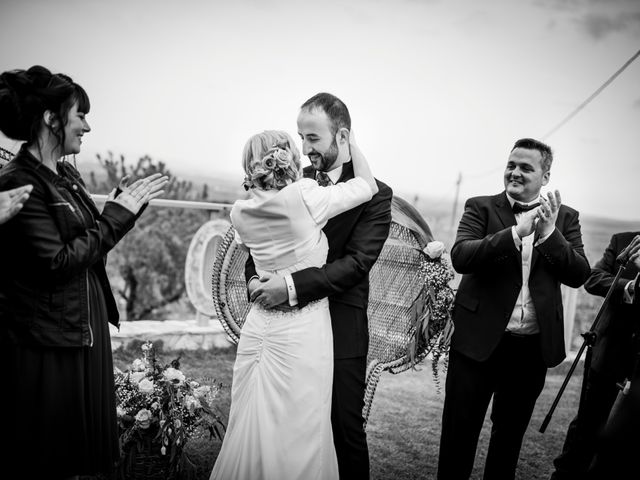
point(134, 196)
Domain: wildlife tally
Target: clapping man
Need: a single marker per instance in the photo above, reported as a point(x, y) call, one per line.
point(514, 250)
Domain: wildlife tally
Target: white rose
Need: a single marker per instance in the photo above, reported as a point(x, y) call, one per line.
point(172, 374)
point(145, 386)
point(120, 412)
point(143, 418)
point(191, 403)
point(138, 365)
point(434, 249)
point(283, 158)
point(135, 377)
point(202, 391)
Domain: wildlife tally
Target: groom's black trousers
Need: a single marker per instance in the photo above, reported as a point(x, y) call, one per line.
point(346, 417)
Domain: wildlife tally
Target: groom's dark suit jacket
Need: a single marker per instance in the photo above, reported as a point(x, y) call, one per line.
point(356, 238)
point(485, 253)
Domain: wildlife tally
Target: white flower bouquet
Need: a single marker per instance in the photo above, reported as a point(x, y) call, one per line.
point(433, 326)
point(158, 407)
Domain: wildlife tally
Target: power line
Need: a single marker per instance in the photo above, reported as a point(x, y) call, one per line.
point(570, 116)
point(593, 95)
point(552, 131)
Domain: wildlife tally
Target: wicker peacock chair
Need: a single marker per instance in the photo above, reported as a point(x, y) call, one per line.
point(402, 298)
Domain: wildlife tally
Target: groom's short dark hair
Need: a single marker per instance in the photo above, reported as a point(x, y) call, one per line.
point(335, 109)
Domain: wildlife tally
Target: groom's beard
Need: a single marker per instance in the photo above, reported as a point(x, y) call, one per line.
point(327, 159)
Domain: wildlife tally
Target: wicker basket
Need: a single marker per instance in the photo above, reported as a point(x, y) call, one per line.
point(143, 461)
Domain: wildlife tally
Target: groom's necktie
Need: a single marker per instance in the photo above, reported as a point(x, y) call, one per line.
point(521, 207)
point(323, 179)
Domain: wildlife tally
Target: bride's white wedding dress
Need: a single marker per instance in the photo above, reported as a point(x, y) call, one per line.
point(280, 420)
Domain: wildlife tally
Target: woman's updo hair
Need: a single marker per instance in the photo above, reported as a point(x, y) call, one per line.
point(271, 161)
point(26, 94)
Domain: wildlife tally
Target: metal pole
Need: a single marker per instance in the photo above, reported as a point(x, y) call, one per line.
point(589, 341)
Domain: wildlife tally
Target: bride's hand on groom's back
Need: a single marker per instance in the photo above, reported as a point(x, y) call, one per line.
point(271, 291)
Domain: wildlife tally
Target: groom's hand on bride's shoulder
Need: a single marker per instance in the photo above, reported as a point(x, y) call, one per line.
point(271, 291)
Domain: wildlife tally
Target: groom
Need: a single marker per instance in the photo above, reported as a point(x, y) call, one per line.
point(356, 238)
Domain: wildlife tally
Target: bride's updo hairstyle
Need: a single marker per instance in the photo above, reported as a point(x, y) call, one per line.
point(271, 161)
point(26, 94)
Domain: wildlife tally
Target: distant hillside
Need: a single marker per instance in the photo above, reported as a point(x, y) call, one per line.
point(597, 231)
point(438, 212)
point(222, 189)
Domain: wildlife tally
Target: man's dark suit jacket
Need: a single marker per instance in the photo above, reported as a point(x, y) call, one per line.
point(613, 352)
point(356, 238)
point(491, 264)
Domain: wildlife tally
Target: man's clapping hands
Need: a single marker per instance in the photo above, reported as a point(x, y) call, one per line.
point(631, 253)
point(542, 219)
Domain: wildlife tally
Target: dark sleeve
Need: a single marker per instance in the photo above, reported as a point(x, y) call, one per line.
point(361, 252)
point(473, 249)
point(604, 272)
point(249, 269)
point(37, 231)
point(564, 252)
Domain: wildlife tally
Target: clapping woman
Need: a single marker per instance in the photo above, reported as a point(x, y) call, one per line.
point(59, 415)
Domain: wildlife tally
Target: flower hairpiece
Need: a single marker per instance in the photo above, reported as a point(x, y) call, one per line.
point(277, 159)
point(274, 164)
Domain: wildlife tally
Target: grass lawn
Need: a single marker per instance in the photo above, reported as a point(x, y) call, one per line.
point(404, 425)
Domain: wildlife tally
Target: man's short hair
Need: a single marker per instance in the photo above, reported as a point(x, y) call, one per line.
point(335, 109)
point(533, 144)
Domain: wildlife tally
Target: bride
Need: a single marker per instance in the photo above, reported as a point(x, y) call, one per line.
point(280, 420)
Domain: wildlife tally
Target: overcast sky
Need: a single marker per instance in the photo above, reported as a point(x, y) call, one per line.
point(435, 88)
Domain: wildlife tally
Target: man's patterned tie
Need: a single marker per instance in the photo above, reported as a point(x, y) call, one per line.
point(323, 179)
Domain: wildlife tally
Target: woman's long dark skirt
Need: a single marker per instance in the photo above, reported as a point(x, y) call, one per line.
point(60, 404)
